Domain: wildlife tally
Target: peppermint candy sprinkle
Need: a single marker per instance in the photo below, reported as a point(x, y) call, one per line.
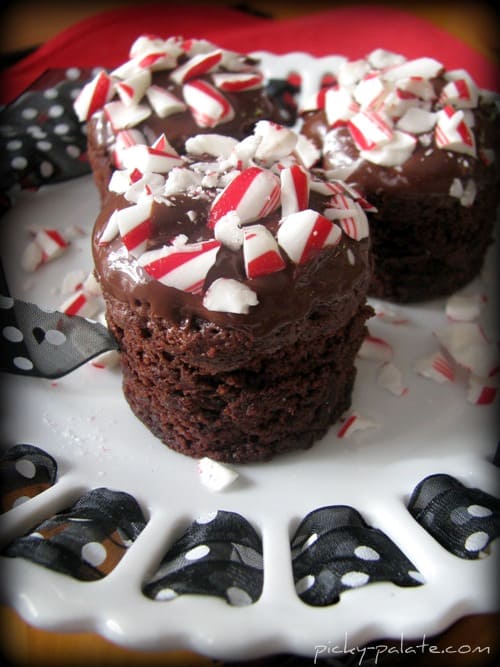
point(302, 234)
point(184, 267)
point(208, 106)
point(260, 252)
point(253, 194)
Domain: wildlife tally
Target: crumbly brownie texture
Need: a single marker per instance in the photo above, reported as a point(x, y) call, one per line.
point(420, 142)
point(241, 308)
point(174, 86)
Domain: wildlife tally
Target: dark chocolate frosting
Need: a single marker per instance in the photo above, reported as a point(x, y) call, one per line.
point(333, 276)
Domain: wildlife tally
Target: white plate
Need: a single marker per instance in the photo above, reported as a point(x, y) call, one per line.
point(83, 421)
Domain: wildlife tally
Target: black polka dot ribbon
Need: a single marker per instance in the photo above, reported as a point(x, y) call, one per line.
point(334, 550)
point(87, 540)
point(220, 555)
point(463, 520)
point(25, 471)
point(41, 139)
point(45, 344)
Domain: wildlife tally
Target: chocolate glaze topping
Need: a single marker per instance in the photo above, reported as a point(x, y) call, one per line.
point(334, 275)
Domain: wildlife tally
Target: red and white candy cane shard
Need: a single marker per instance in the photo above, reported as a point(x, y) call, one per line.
point(461, 93)
point(303, 234)
point(481, 391)
point(374, 348)
point(111, 230)
point(161, 143)
point(370, 129)
point(425, 67)
point(436, 367)
point(184, 267)
point(294, 189)
point(51, 243)
point(355, 422)
point(452, 132)
point(349, 215)
point(197, 66)
point(122, 117)
point(81, 304)
point(93, 96)
point(238, 81)
point(125, 139)
point(134, 224)
point(260, 252)
point(208, 106)
point(155, 61)
point(147, 159)
point(370, 91)
point(144, 44)
point(253, 194)
point(132, 89)
point(418, 86)
point(164, 102)
point(468, 346)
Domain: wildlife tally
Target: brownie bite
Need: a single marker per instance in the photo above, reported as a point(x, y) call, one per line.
point(421, 142)
point(235, 282)
point(180, 87)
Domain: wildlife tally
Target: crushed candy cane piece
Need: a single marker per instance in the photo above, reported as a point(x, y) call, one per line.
point(253, 194)
point(134, 225)
point(393, 152)
point(213, 144)
point(237, 81)
point(32, 257)
point(149, 158)
point(260, 252)
point(229, 296)
point(481, 390)
point(196, 66)
point(416, 121)
point(304, 233)
point(349, 215)
point(370, 129)
point(339, 106)
point(374, 348)
point(93, 96)
point(452, 132)
point(81, 304)
point(164, 102)
point(228, 231)
point(468, 346)
point(208, 106)
point(214, 475)
point(276, 141)
point(183, 266)
point(355, 422)
point(463, 307)
point(425, 67)
point(389, 377)
point(436, 367)
point(122, 117)
point(294, 189)
point(132, 89)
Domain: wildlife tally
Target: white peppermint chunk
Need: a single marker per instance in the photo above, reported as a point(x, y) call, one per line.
point(339, 105)
point(229, 296)
point(306, 151)
point(228, 231)
point(276, 140)
point(350, 72)
point(416, 121)
point(213, 144)
point(163, 101)
point(179, 180)
point(394, 152)
point(463, 307)
point(214, 475)
point(468, 346)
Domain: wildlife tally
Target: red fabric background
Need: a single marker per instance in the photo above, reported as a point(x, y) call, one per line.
point(104, 39)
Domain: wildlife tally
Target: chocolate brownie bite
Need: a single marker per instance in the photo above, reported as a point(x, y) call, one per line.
point(421, 142)
point(235, 283)
point(180, 87)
